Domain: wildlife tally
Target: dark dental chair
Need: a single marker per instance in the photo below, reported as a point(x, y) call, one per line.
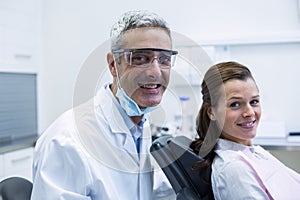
point(15, 188)
point(177, 161)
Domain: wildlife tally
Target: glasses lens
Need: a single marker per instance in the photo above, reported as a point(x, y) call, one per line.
point(144, 57)
point(165, 60)
point(140, 57)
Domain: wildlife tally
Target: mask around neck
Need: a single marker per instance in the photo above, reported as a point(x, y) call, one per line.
point(130, 107)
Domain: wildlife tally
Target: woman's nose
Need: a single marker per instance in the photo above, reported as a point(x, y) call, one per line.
point(249, 111)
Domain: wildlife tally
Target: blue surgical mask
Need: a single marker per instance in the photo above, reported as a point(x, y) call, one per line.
point(129, 105)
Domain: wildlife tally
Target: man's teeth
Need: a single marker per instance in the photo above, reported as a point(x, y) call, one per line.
point(149, 86)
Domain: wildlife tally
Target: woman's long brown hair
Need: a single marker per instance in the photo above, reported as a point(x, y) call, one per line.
point(207, 130)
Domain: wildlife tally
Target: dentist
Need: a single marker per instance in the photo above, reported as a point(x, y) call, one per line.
point(100, 149)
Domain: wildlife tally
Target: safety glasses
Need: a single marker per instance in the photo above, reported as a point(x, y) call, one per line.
point(145, 56)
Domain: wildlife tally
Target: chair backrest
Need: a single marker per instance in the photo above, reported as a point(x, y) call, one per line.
point(177, 161)
point(15, 188)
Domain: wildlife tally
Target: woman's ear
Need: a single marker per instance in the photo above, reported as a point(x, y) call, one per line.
point(211, 114)
point(111, 64)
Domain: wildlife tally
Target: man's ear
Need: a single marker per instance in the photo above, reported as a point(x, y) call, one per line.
point(111, 64)
point(211, 114)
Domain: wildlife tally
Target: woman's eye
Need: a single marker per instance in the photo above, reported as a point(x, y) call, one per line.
point(255, 102)
point(235, 105)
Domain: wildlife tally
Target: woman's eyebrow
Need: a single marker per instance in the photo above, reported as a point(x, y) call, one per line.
point(240, 97)
point(235, 97)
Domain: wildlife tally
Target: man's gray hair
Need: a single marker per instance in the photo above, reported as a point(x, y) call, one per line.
point(135, 19)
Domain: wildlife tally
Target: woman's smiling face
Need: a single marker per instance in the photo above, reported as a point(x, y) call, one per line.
point(238, 111)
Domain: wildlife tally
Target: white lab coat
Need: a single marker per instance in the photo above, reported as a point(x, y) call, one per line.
point(89, 153)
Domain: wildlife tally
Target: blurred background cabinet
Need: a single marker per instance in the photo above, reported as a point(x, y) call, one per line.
point(19, 35)
point(17, 163)
point(19, 55)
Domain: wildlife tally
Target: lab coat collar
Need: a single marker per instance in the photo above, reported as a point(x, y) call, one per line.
point(106, 101)
point(119, 127)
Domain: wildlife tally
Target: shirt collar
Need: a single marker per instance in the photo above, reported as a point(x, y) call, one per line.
point(223, 144)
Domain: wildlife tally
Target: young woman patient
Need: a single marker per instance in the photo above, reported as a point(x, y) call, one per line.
point(226, 125)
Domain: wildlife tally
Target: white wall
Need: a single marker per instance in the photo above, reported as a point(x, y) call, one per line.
point(276, 69)
point(72, 29)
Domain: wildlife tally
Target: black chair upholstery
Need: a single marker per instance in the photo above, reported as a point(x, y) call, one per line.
point(15, 188)
point(177, 161)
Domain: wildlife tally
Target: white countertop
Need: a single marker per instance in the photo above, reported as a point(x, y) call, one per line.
point(291, 143)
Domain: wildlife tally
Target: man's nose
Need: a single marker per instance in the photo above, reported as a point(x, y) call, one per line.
point(155, 58)
point(154, 68)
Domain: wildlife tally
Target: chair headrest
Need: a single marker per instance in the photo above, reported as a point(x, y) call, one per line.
point(178, 162)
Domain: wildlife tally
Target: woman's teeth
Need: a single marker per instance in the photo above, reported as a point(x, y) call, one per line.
point(248, 124)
